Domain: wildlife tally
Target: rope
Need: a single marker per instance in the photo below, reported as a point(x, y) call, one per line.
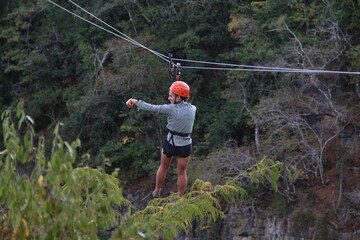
point(233, 67)
point(107, 30)
point(228, 64)
point(250, 68)
point(123, 34)
point(285, 70)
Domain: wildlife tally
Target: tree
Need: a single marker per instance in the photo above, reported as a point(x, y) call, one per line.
point(298, 130)
point(46, 197)
point(43, 197)
point(294, 116)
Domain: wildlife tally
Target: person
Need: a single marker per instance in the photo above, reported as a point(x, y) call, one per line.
point(178, 142)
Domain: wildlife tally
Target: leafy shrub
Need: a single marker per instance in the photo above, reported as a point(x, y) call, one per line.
point(54, 200)
point(133, 159)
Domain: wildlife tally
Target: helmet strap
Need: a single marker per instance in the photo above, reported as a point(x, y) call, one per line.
point(181, 99)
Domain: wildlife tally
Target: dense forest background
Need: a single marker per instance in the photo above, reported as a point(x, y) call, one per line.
point(66, 70)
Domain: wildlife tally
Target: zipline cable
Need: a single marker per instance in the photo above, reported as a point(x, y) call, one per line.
point(239, 67)
point(271, 70)
point(123, 34)
point(230, 64)
point(257, 68)
point(107, 30)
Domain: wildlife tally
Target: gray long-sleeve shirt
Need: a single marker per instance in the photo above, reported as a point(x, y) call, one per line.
point(181, 117)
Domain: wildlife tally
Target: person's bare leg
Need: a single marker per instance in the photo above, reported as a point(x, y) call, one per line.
point(182, 164)
point(162, 170)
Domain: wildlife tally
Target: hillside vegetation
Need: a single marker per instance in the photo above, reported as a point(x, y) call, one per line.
point(65, 70)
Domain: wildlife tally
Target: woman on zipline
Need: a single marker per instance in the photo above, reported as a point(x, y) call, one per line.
point(178, 142)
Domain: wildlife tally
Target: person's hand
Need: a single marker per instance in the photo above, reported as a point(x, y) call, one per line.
point(131, 102)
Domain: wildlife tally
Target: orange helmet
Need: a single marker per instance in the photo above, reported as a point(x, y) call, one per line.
point(180, 88)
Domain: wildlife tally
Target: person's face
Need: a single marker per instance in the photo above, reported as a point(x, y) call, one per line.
point(173, 98)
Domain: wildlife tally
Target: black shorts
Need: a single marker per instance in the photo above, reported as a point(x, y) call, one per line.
point(181, 151)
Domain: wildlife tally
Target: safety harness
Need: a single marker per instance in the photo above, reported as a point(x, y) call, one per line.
point(178, 134)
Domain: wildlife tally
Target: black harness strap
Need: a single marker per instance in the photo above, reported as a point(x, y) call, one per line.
point(178, 134)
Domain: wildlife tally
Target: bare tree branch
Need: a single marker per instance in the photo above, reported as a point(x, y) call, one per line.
point(304, 54)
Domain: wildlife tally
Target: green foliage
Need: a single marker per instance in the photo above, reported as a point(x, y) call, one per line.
point(53, 199)
point(93, 120)
point(167, 217)
point(269, 170)
point(133, 159)
point(21, 57)
point(237, 165)
point(68, 71)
